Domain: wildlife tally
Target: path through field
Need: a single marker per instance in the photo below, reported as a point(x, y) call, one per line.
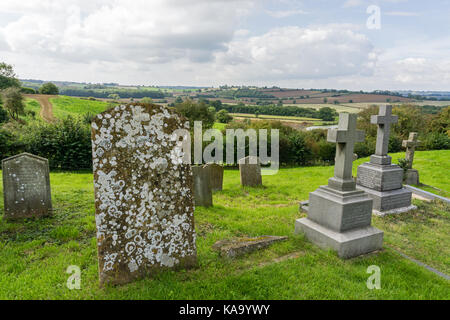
point(46, 106)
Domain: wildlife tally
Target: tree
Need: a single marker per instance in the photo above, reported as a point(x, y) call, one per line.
point(326, 114)
point(13, 102)
point(7, 76)
point(223, 116)
point(196, 112)
point(147, 100)
point(48, 88)
point(114, 96)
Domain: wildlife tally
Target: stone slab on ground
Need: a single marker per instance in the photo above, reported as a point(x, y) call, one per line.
point(237, 247)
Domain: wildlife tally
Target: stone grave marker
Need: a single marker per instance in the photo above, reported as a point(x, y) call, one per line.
point(216, 175)
point(250, 171)
point(202, 186)
point(26, 187)
point(143, 193)
point(380, 179)
point(339, 216)
point(412, 175)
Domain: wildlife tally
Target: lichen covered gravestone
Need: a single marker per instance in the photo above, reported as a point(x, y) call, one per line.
point(250, 171)
point(26, 187)
point(143, 193)
point(339, 216)
point(380, 179)
point(216, 176)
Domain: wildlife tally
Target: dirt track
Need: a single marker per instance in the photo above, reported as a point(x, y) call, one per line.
point(46, 106)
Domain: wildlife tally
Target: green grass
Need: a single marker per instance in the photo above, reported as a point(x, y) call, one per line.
point(64, 106)
point(34, 254)
point(219, 126)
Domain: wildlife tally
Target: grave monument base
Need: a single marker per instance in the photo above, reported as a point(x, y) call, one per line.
point(340, 220)
point(347, 244)
point(412, 177)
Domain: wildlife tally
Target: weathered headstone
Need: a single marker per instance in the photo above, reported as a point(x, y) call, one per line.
point(380, 179)
point(202, 186)
point(411, 175)
point(250, 171)
point(216, 175)
point(26, 187)
point(143, 193)
point(339, 216)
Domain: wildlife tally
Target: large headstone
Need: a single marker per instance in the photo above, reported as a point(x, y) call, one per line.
point(250, 171)
point(411, 175)
point(380, 179)
point(339, 216)
point(26, 187)
point(202, 186)
point(143, 193)
point(216, 175)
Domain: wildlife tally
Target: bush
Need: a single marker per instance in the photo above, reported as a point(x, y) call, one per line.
point(3, 115)
point(48, 88)
point(66, 143)
point(436, 141)
point(196, 112)
point(223, 116)
point(26, 90)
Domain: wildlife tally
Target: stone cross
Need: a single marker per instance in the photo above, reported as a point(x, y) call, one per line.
point(410, 146)
point(384, 120)
point(345, 137)
point(143, 193)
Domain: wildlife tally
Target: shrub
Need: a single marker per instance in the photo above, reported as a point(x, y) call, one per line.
point(26, 90)
point(48, 88)
point(436, 141)
point(66, 143)
point(223, 116)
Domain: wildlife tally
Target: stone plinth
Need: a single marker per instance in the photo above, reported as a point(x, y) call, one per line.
point(412, 177)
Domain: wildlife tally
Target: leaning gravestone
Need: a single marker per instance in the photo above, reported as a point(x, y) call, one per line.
point(380, 179)
point(26, 187)
point(202, 186)
point(412, 175)
point(143, 193)
point(216, 175)
point(250, 171)
point(339, 216)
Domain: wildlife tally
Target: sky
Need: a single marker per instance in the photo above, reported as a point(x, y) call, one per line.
point(340, 44)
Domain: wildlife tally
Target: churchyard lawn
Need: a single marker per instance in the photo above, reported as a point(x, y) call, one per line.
point(34, 254)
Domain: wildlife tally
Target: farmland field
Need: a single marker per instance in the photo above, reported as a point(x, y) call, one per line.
point(64, 106)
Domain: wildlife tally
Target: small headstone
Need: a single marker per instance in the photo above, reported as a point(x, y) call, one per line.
point(411, 175)
point(143, 193)
point(250, 171)
point(216, 175)
point(236, 247)
point(26, 187)
point(339, 216)
point(202, 186)
point(380, 179)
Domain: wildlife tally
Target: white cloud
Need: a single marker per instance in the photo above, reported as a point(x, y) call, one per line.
point(284, 13)
point(402, 14)
point(143, 31)
point(299, 53)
